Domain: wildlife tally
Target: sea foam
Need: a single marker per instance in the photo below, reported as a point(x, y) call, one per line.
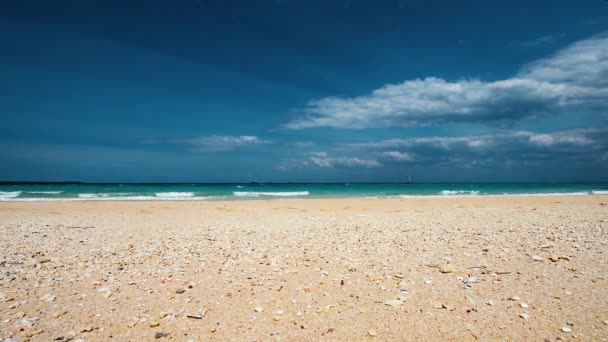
point(45, 192)
point(459, 192)
point(9, 194)
point(599, 192)
point(277, 193)
point(174, 194)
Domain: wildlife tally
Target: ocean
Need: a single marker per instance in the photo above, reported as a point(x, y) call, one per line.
point(244, 191)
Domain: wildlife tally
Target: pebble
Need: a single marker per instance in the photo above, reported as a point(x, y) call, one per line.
point(428, 281)
point(606, 322)
point(105, 291)
point(490, 302)
point(372, 333)
point(566, 329)
point(523, 305)
point(537, 257)
point(259, 309)
point(59, 313)
point(558, 258)
point(447, 269)
point(180, 291)
point(199, 314)
point(160, 334)
point(525, 316)
point(514, 298)
point(568, 293)
point(394, 302)
point(154, 324)
point(48, 298)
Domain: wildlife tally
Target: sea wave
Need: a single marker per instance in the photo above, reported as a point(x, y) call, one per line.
point(277, 193)
point(459, 192)
point(174, 194)
point(599, 192)
point(110, 198)
point(45, 192)
point(9, 194)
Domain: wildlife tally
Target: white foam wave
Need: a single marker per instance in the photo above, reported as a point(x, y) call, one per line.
point(459, 192)
point(9, 194)
point(174, 194)
point(111, 198)
point(240, 186)
point(599, 192)
point(45, 192)
point(278, 193)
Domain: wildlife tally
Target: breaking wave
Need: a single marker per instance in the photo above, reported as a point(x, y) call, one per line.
point(9, 194)
point(174, 194)
point(277, 193)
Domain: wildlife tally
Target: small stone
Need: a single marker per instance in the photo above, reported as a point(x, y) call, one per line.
point(299, 314)
point(160, 334)
point(568, 293)
point(398, 276)
point(566, 329)
point(514, 298)
point(372, 333)
point(525, 316)
point(154, 324)
point(18, 315)
point(105, 291)
point(180, 291)
point(523, 305)
point(428, 281)
point(438, 306)
point(472, 280)
point(87, 329)
point(536, 257)
point(59, 313)
point(199, 314)
point(48, 298)
point(259, 309)
point(394, 303)
point(490, 302)
point(447, 269)
point(606, 322)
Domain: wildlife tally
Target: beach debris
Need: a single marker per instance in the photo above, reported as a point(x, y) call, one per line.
point(394, 302)
point(566, 329)
point(536, 257)
point(259, 309)
point(105, 291)
point(199, 314)
point(372, 333)
point(47, 298)
point(558, 258)
point(447, 269)
point(59, 313)
point(160, 334)
point(525, 316)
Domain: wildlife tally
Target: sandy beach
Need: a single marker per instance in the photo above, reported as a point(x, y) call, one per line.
point(462, 269)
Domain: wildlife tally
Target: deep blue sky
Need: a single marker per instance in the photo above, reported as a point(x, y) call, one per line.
point(295, 90)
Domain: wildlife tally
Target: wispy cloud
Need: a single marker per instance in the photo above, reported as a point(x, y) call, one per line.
point(542, 40)
point(574, 78)
point(399, 156)
point(325, 161)
point(216, 143)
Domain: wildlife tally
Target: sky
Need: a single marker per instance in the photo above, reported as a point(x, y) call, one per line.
point(303, 91)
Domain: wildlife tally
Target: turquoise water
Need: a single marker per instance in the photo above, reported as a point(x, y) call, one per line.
point(177, 192)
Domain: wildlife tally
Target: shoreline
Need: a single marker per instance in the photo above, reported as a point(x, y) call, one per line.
point(195, 199)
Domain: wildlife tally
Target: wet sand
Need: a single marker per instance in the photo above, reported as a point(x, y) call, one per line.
point(491, 268)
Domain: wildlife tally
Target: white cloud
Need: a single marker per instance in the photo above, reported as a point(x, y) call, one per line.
point(323, 160)
point(215, 143)
point(575, 77)
point(399, 156)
